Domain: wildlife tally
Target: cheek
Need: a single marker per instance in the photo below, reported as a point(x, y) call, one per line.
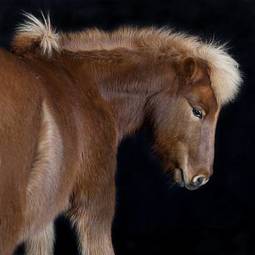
point(182, 124)
point(186, 115)
point(189, 126)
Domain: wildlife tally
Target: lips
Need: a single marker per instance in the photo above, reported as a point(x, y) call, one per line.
point(178, 177)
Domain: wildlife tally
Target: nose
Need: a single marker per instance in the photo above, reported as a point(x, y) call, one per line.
point(199, 180)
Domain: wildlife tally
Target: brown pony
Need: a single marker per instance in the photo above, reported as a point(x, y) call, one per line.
point(68, 99)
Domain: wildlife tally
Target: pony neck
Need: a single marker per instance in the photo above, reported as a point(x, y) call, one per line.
point(127, 80)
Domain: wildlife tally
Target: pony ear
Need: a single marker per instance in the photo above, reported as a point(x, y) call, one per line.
point(190, 68)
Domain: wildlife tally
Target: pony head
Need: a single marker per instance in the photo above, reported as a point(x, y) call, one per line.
point(186, 114)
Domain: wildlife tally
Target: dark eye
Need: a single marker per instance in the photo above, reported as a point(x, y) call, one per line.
point(197, 113)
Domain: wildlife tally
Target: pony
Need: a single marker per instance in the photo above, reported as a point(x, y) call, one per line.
point(68, 99)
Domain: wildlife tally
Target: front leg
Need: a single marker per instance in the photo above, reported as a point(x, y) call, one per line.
point(41, 243)
point(93, 201)
point(93, 221)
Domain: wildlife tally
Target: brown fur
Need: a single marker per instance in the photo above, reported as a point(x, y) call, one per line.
point(224, 73)
point(62, 119)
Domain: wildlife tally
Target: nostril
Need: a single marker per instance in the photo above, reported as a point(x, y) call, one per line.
point(199, 180)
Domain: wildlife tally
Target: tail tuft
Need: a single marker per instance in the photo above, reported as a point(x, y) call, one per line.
point(33, 33)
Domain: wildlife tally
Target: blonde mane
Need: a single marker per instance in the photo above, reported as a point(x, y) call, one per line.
point(224, 70)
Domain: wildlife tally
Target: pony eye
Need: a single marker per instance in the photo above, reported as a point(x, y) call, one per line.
point(197, 113)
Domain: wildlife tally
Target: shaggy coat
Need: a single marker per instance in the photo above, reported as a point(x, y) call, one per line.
point(67, 100)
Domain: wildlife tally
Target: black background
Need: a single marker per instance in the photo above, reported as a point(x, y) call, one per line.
point(152, 215)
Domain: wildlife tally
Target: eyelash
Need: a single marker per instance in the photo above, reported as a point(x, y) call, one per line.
point(197, 113)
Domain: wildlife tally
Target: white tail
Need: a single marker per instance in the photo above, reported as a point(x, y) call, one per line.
point(41, 31)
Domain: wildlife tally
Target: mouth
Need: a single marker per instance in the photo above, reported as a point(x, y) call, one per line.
point(178, 177)
point(180, 180)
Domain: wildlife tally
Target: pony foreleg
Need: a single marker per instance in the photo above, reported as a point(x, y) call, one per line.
point(93, 221)
point(42, 243)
